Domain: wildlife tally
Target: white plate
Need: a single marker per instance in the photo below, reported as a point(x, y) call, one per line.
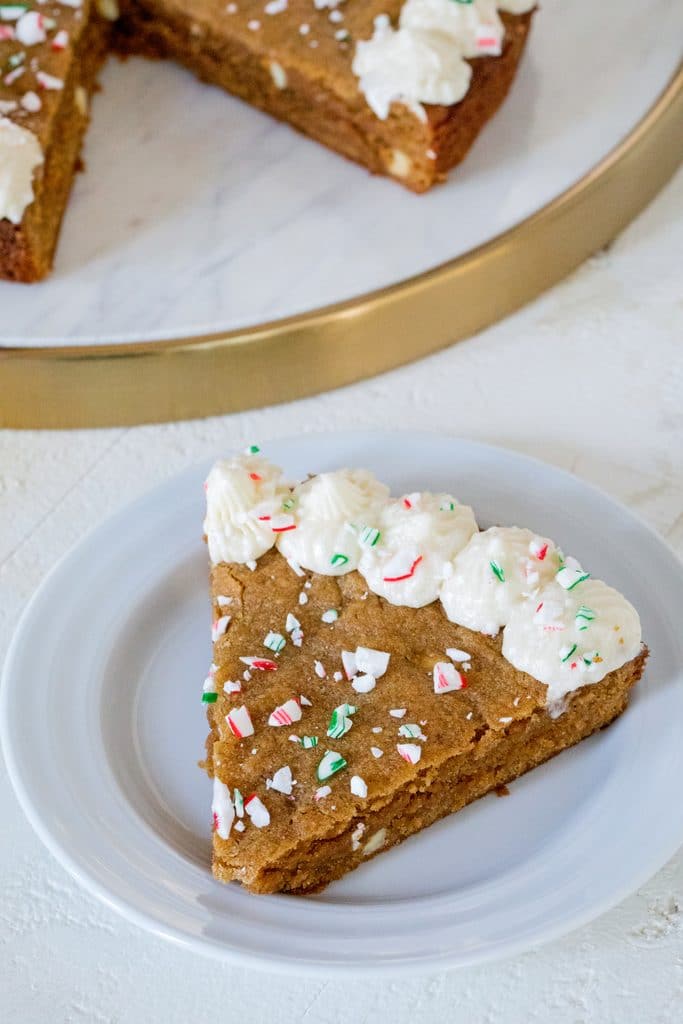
point(102, 727)
point(197, 213)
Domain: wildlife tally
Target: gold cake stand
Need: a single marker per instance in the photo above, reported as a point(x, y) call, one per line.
point(109, 385)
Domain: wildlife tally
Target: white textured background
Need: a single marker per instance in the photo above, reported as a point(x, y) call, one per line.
point(589, 378)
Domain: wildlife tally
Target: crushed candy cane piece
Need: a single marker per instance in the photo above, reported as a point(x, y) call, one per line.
point(363, 684)
point(274, 642)
point(397, 712)
point(291, 623)
point(538, 548)
point(358, 786)
point(239, 802)
point(262, 664)
point(457, 655)
point(282, 523)
point(222, 809)
point(304, 701)
point(322, 791)
point(369, 536)
point(257, 811)
point(567, 651)
point(583, 618)
point(239, 722)
point(401, 567)
point(447, 678)
point(285, 714)
point(223, 601)
point(340, 720)
point(376, 752)
point(319, 669)
point(410, 752)
point(571, 574)
point(281, 781)
point(219, 627)
point(411, 731)
point(331, 615)
point(49, 82)
point(349, 663)
point(30, 29)
point(358, 831)
point(498, 571)
point(331, 763)
point(374, 663)
point(232, 686)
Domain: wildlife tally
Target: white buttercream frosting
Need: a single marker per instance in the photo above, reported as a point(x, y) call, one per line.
point(331, 510)
point(497, 570)
point(474, 28)
point(419, 535)
point(20, 155)
point(567, 638)
point(559, 625)
point(422, 59)
point(516, 6)
point(397, 65)
point(243, 498)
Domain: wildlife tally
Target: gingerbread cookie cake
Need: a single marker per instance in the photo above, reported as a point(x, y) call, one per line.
point(402, 87)
point(380, 662)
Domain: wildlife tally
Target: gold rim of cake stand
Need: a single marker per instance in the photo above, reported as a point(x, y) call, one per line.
point(186, 378)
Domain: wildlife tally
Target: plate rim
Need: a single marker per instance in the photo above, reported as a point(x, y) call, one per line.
point(208, 374)
point(228, 952)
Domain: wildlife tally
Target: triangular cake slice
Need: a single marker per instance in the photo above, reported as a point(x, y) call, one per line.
point(379, 663)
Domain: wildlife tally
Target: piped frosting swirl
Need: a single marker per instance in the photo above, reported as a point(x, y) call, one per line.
point(559, 625)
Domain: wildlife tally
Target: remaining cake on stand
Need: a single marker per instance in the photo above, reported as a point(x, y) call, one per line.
point(402, 88)
point(379, 663)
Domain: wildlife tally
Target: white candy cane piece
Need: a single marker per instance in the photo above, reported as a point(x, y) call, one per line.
point(374, 663)
point(281, 780)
